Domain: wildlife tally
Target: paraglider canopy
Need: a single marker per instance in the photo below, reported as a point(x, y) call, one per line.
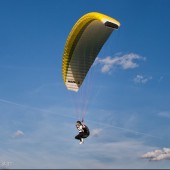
point(83, 45)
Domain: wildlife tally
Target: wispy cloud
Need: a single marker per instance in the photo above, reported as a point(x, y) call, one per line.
point(40, 110)
point(18, 133)
point(157, 155)
point(165, 114)
point(122, 154)
point(127, 61)
point(96, 132)
point(142, 79)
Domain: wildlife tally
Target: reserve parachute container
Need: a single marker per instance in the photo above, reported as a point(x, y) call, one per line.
point(83, 44)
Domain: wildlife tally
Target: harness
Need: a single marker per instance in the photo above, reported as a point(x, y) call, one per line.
point(86, 130)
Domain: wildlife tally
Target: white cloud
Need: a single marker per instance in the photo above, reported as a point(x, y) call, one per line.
point(18, 133)
point(157, 155)
point(142, 79)
point(126, 61)
point(96, 132)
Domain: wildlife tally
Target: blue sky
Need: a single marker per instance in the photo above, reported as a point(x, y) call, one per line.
point(128, 109)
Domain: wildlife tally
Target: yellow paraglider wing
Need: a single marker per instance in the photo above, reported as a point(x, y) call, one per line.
point(83, 45)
